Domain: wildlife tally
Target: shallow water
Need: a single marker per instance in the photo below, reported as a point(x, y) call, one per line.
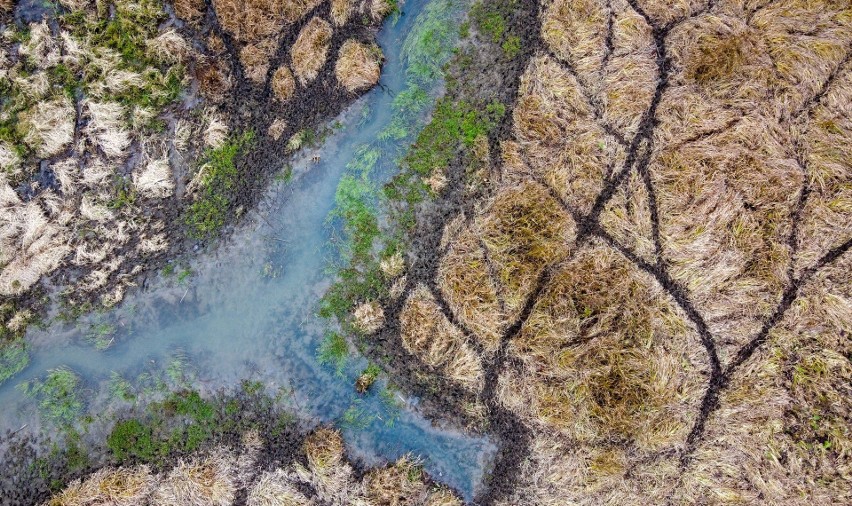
point(247, 310)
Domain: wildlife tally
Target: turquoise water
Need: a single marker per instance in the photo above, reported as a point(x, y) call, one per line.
point(246, 310)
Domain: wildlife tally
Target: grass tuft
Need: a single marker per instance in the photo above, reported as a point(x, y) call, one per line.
point(310, 51)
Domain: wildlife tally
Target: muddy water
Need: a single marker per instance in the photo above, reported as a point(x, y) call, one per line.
point(246, 310)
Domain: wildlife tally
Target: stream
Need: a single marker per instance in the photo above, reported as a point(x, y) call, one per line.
point(246, 309)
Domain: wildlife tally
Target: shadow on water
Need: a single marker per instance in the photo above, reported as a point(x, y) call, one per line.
point(246, 311)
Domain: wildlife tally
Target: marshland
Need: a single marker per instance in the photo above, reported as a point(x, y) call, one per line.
point(432, 252)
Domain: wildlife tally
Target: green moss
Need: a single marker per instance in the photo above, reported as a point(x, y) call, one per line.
point(489, 20)
point(131, 439)
point(208, 213)
point(511, 46)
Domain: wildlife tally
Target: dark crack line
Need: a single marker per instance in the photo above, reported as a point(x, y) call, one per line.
point(710, 402)
point(804, 193)
point(814, 101)
point(707, 134)
point(590, 99)
point(609, 42)
point(493, 274)
point(655, 217)
point(644, 132)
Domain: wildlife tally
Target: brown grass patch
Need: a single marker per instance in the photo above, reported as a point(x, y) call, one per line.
point(399, 484)
point(427, 334)
point(324, 449)
point(208, 482)
point(7, 5)
point(826, 140)
point(576, 31)
point(341, 10)
point(189, 10)
point(255, 58)
point(627, 217)
point(214, 79)
point(358, 65)
point(276, 488)
point(606, 356)
point(253, 20)
point(558, 137)
point(113, 487)
point(470, 290)
point(525, 230)
point(283, 84)
point(310, 51)
point(727, 242)
point(368, 317)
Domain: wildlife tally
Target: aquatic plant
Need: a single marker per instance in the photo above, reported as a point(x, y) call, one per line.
point(14, 358)
point(333, 351)
point(58, 396)
point(356, 416)
point(120, 388)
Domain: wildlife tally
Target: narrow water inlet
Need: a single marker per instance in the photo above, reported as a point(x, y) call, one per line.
point(247, 309)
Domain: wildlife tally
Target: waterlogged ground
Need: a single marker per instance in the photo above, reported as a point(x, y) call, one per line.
point(247, 310)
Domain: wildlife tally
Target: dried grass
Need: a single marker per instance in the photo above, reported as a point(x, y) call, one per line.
point(399, 484)
point(107, 128)
point(358, 65)
point(155, 178)
point(255, 58)
point(214, 79)
point(207, 482)
point(277, 128)
point(557, 136)
point(603, 350)
point(727, 242)
point(189, 10)
point(392, 266)
point(277, 488)
point(368, 317)
point(169, 47)
point(9, 159)
point(427, 334)
point(283, 84)
point(524, 230)
point(216, 132)
point(341, 10)
point(470, 290)
point(324, 449)
point(253, 20)
point(49, 126)
point(108, 487)
point(310, 51)
point(31, 245)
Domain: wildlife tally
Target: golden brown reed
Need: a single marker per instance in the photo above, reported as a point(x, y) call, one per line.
point(358, 65)
point(310, 51)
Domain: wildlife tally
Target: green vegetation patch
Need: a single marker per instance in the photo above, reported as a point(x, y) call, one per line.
point(492, 22)
point(219, 178)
